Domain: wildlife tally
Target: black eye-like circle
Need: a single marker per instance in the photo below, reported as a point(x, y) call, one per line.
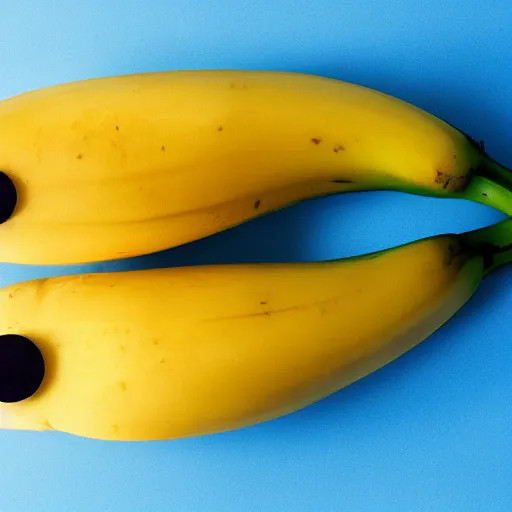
point(8, 197)
point(21, 368)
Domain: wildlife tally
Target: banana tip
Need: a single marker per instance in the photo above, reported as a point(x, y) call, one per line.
point(5, 418)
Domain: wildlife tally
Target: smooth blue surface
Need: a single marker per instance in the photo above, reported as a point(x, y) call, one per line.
point(430, 432)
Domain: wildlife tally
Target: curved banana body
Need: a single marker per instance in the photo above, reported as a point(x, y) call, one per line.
point(122, 166)
point(163, 354)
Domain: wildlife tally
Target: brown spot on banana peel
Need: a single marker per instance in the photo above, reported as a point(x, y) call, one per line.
point(458, 253)
point(342, 181)
point(450, 182)
point(257, 204)
point(338, 148)
point(316, 140)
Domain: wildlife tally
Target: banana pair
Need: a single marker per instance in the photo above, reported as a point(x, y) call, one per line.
point(123, 166)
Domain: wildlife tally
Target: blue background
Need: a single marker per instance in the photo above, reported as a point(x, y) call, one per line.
point(429, 432)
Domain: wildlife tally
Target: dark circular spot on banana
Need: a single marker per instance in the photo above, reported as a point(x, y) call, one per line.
point(22, 368)
point(8, 197)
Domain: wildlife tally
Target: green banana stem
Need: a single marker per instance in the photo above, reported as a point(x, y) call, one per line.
point(491, 169)
point(488, 167)
point(494, 243)
point(489, 192)
point(491, 182)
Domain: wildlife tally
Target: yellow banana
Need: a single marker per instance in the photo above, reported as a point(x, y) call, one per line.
point(163, 354)
point(121, 166)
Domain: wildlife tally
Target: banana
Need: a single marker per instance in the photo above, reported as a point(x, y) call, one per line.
point(169, 353)
point(116, 167)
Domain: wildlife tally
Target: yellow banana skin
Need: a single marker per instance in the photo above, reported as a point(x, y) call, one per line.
point(170, 353)
point(121, 166)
